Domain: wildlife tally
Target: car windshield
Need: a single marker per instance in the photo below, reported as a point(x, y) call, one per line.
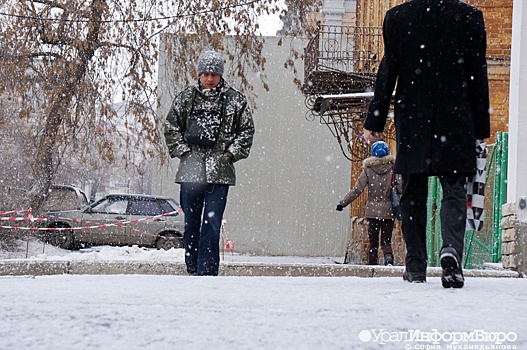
point(112, 205)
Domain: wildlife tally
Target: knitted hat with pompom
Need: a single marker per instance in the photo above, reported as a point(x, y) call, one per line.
point(380, 149)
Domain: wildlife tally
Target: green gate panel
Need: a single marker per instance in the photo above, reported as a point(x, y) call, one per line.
point(483, 246)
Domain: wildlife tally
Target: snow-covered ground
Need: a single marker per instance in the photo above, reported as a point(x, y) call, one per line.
point(184, 312)
point(35, 250)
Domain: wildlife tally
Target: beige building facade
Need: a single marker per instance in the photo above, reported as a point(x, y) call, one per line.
point(287, 190)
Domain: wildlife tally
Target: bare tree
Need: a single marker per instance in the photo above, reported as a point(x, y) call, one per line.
point(67, 61)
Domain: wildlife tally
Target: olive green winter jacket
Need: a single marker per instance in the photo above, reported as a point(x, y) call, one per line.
point(201, 164)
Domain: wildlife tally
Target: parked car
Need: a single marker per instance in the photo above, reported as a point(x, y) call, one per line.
point(59, 197)
point(118, 219)
point(64, 197)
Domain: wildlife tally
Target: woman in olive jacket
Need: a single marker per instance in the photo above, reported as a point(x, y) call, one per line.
point(377, 176)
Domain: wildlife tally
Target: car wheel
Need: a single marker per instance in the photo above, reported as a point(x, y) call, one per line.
point(169, 242)
point(64, 239)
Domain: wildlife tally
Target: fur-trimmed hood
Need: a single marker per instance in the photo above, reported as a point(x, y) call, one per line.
point(376, 176)
point(380, 165)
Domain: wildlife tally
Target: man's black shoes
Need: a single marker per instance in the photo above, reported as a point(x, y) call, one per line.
point(452, 271)
point(414, 277)
point(415, 271)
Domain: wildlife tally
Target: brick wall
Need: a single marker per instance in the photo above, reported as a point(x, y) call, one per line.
point(498, 21)
point(508, 246)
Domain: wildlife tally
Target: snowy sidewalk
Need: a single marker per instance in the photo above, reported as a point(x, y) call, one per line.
point(128, 312)
point(133, 298)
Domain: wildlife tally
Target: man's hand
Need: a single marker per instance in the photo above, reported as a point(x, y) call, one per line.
point(370, 136)
point(339, 207)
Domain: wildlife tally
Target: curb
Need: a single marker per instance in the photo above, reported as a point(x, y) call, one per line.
point(141, 267)
point(79, 267)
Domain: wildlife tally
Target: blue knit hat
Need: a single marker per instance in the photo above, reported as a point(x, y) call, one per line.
point(380, 149)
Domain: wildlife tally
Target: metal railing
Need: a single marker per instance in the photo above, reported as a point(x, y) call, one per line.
point(344, 48)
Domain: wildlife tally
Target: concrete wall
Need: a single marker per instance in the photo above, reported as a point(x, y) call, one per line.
point(338, 12)
point(287, 190)
point(517, 166)
point(514, 239)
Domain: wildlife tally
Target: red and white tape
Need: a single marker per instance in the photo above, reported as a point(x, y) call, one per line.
point(12, 212)
point(117, 224)
point(4, 218)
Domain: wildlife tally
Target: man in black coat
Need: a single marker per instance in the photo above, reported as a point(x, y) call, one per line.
point(435, 54)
